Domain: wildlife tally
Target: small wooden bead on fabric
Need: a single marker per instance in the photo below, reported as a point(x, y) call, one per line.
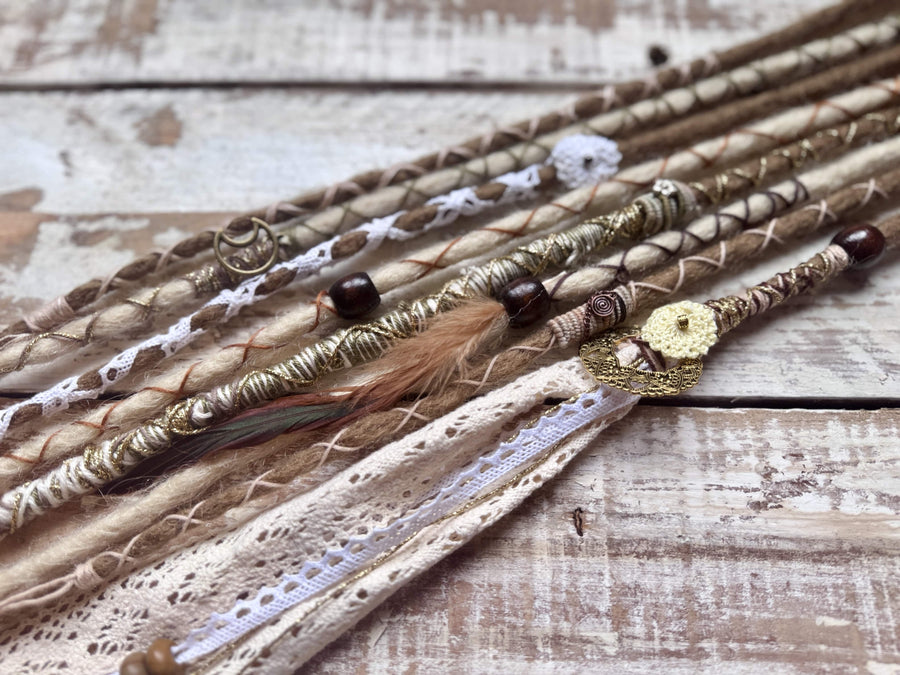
point(160, 660)
point(864, 245)
point(354, 295)
point(157, 660)
point(134, 664)
point(525, 301)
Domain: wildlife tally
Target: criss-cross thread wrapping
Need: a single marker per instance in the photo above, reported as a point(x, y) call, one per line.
point(64, 307)
point(110, 459)
point(736, 145)
point(101, 463)
point(582, 160)
point(671, 105)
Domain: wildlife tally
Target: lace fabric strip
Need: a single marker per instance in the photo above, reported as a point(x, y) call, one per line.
point(454, 492)
point(379, 489)
point(287, 643)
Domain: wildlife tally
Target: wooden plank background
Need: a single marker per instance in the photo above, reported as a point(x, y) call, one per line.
point(714, 554)
point(763, 538)
point(65, 44)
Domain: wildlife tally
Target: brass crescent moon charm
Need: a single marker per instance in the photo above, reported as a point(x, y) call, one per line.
point(244, 241)
point(599, 357)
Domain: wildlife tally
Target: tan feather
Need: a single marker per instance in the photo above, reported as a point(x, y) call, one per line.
point(427, 361)
point(418, 365)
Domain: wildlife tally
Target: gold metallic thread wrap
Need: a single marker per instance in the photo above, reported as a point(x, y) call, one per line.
point(668, 203)
point(732, 310)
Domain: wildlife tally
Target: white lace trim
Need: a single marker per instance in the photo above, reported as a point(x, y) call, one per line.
point(453, 491)
point(185, 589)
point(580, 160)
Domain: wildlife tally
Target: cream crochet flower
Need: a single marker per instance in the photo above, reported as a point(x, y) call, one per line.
point(681, 330)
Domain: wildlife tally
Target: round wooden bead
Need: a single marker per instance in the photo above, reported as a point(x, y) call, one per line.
point(160, 660)
point(525, 301)
point(863, 243)
point(134, 664)
point(354, 295)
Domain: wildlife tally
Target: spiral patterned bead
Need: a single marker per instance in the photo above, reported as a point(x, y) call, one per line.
point(607, 304)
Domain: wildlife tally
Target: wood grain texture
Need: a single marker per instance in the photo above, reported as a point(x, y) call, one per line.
point(762, 541)
point(469, 41)
point(724, 538)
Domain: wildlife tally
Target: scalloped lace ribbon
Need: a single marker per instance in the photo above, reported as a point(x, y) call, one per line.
point(453, 492)
point(187, 586)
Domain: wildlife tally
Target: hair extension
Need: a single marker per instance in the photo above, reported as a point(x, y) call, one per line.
point(587, 320)
point(653, 252)
point(274, 482)
point(568, 165)
point(815, 26)
point(101, 463)
point(421, 364)
point(127, 317)
point(762, 87)
point(362, 490)
point(148, 353)
point(736, 145)
point(402, 376)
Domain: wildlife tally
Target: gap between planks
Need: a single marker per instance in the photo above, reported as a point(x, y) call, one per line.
point(381, 87)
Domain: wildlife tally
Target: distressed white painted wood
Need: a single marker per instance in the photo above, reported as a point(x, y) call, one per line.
point(202, 150)
point(714, 540)
point(95, 41)
point(739, 541)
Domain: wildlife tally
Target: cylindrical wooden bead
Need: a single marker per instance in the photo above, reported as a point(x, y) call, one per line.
point(864, 244)
point(607, 306)
point(160, 660)
point(525, 301)
point(354, 295)
point(134, 664)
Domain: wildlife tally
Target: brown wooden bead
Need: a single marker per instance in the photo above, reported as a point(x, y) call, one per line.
point(863, 243)
point(160, 660)
point(354, 295)
point(134, 664)
point(525, 301)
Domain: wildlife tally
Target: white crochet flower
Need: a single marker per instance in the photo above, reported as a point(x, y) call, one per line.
point(582, 160)
point(681, 330)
